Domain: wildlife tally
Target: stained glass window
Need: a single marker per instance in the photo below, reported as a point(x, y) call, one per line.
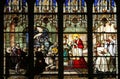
point(15, 38)
point(45, 38)
point(75, 39)
point(105, 54)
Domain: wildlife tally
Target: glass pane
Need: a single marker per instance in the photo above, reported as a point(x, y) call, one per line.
point(104, 23)
point(74, 6)
point(15, 6)
point(45, 45)
point(46, 21)
point(15, 39)
point(104, 6)
point(15, 54)
point(75, 53)
point(15, 23)
point(45, 39)
point(105, 53)
point(45, 6)
point(46, 53)
point(75, 23)
point(75, 39)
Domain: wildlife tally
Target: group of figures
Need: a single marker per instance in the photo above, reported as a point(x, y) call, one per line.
point(73, 52)
point(105, 45)
point(106, 55)
point(75, 47)
point(46, 52)
point(16, 58)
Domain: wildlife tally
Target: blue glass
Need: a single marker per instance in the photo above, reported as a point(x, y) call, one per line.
point(112, 3)
point(83, 3)
point(7, 2)
point(37, 2)
point(23, 2)
point(96, 3)
point(66, 2)
point(54, 2)
point(65, 54)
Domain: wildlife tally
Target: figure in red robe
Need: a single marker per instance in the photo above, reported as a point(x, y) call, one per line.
point(78, 47)
point(79, 62)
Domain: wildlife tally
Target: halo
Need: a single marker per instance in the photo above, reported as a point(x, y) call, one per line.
point(75, 35)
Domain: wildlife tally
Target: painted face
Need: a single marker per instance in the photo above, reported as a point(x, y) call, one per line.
point(76, 37)
point(110, 38)
point(18, 45)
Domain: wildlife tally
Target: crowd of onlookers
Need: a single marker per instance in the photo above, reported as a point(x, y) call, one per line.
point(16, 58)
point(45, 58)
point(105, 60)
